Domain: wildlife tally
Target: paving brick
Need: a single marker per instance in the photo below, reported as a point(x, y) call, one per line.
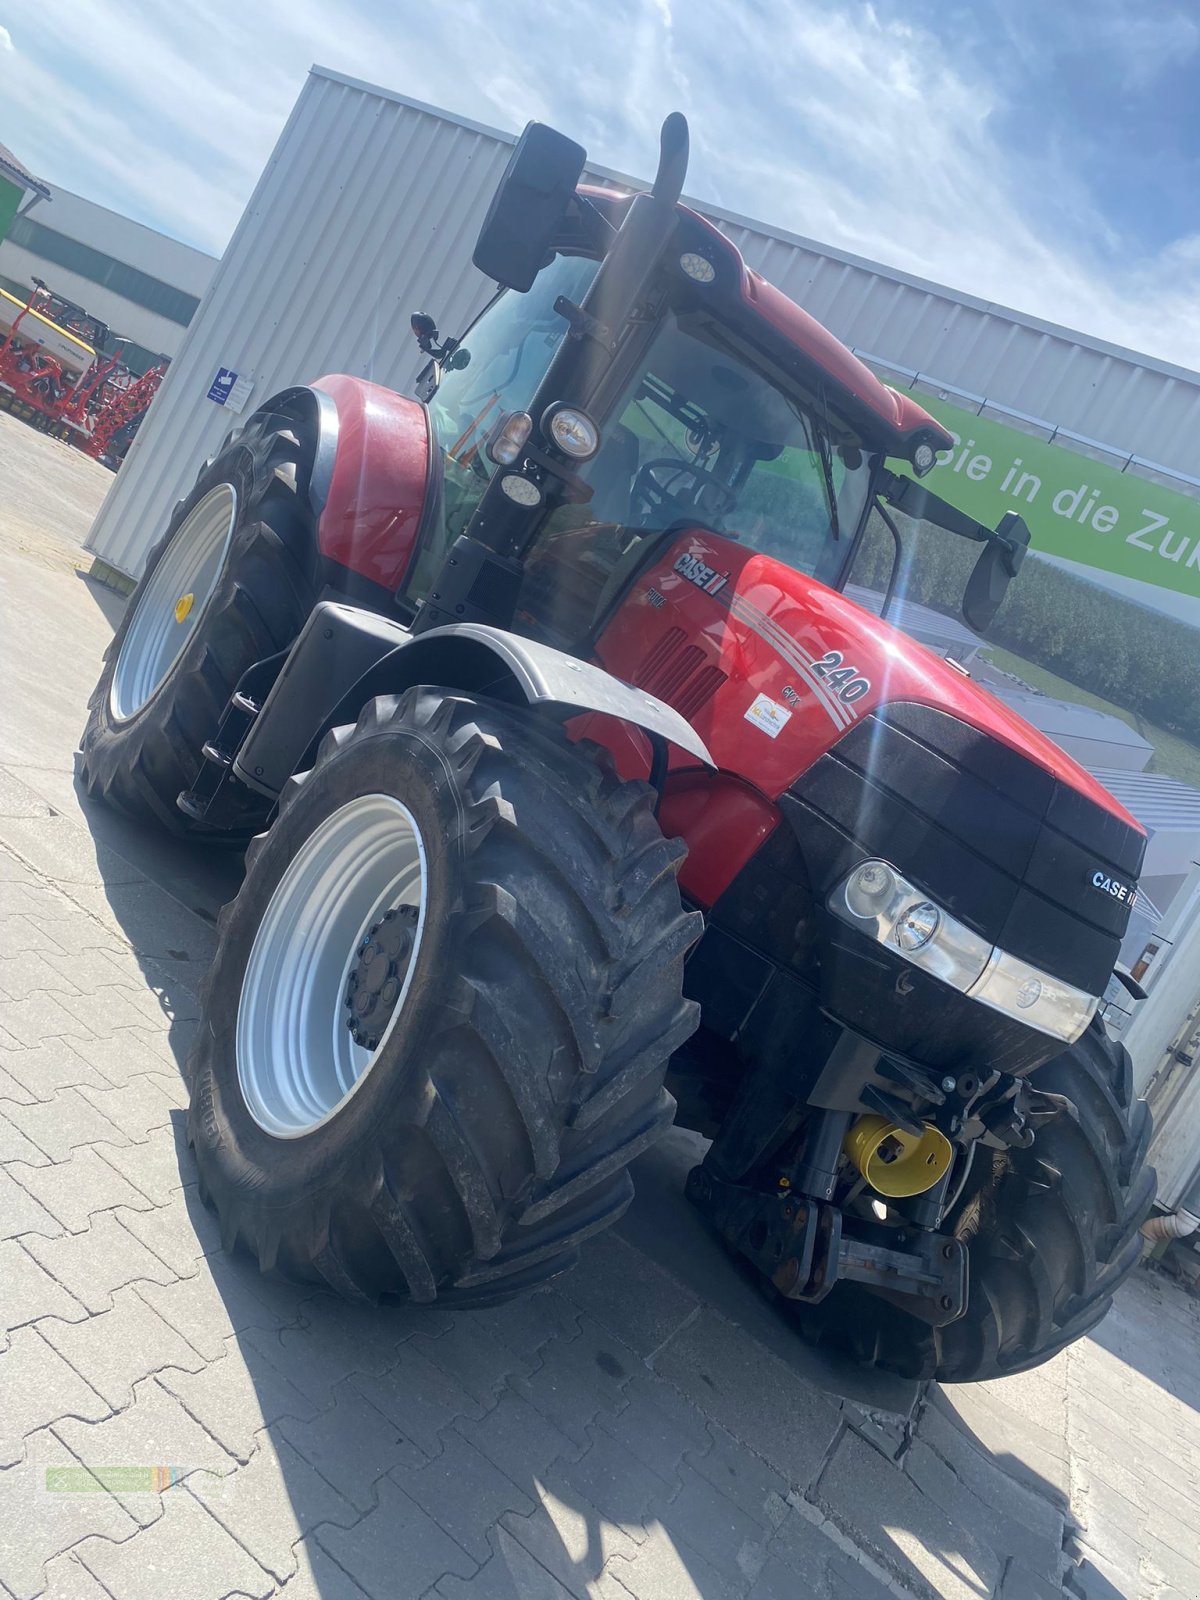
point(50, 1066)
point(510, 1574)
point(530, 1321)
point(464, 1493)
point(1040, 1546)
point(752, 1394)
point(29, 1291)
point(234, 1398)
point(737, 1472)
point(886, 1514)
point(570, 1539)
point(215, 1303)
point(68, 1579)
point(20, 1213)
point(29, 898)
point(570, 1389)
point(627, 1294)
point(153, 1431)
point(88, 970)
point(318, 1576)
point(185, 1553)
point(121, 1346)
point(14, 1144)
point(72, 1191)
point(91, 1265)
point(123, 1055)
point(666, 1568)
point(419, 1398)
point(734, 1544)
point(67, 929)
point(11, 1090)
point(331, 1341)
point(397, 1535)
point(181, 1233)
point(38, 1523)
point(519, 1439)
point(624, 1491)
point(271, 1502)
point(61, 1124)
point(818, 1565)
point(137, 1108)
point(40, 1016)
point(160, 1166)
point(480, 1363)
point(37, 1387)
point(988, 1478)
point(351, 1445)
point(30, 971)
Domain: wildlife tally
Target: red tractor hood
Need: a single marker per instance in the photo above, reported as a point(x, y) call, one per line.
point(773, 668)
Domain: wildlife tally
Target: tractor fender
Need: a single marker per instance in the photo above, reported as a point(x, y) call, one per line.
point(345, 656)
point(368, 474)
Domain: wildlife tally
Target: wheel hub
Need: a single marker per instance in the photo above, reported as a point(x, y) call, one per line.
point(377, 976)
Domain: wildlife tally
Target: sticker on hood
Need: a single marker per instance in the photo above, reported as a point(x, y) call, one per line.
point(768, 715)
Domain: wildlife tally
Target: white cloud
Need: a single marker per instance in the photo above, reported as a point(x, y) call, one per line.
point(821, 116)
point(6, 40)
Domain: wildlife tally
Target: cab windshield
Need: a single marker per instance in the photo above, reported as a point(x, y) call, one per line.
point(696, 435)
point(697, 438)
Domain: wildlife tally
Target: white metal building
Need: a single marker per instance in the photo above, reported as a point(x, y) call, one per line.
point(368, 210)
point(145, 286)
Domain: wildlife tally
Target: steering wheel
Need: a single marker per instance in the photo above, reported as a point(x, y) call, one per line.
point(653, 490)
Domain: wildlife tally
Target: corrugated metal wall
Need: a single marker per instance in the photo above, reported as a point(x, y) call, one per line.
point(368, 211)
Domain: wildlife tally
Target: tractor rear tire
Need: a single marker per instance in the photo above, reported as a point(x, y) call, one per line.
point(1052, 1233)
point(142, 744)
point(472, 1142)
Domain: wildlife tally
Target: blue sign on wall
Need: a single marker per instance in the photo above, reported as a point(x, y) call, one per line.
point(221, 385)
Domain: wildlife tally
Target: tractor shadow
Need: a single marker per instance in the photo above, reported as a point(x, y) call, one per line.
point(648, 1415)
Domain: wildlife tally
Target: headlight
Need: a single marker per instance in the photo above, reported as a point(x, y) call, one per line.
point(883, 904)
point(923, 459)
point(573, 431)
point(877, 899)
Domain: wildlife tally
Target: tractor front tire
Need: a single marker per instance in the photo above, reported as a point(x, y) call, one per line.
point(230, 583)
point(1052, 1232)
point(459, 1142)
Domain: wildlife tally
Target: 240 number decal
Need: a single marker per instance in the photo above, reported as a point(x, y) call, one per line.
point(846, 682)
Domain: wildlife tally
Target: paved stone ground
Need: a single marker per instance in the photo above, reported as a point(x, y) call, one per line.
point(646, 1427)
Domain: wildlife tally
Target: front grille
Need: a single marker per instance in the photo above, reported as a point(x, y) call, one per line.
point(990, 835)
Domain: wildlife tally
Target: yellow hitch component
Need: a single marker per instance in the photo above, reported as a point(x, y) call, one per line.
point(897, 1164)
point(183, 607)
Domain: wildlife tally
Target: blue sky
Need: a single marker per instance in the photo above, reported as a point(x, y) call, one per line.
point(1041, 153)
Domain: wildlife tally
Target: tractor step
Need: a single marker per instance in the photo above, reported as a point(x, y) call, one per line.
point(216, 796)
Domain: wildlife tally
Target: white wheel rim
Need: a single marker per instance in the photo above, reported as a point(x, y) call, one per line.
point(174, 600)
point(297, 1063)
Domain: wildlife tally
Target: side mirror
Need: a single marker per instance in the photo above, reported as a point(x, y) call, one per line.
point(999, 562)
point(530, 202)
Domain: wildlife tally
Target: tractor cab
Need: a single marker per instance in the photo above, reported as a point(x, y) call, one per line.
point(718, 404)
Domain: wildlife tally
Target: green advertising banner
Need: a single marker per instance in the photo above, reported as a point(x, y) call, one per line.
point(1074, 507)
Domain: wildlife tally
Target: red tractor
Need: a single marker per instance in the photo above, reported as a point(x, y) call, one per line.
point(579, 787)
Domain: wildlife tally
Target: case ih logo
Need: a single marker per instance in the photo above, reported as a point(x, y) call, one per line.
point(706, 578)
point(1124, 892)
